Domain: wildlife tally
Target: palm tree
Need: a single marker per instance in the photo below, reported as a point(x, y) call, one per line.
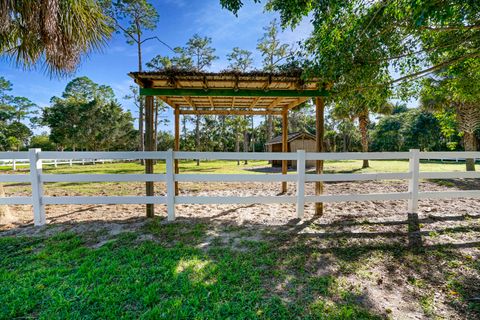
point(436, 97)
point(361, 107)
point(56, 32)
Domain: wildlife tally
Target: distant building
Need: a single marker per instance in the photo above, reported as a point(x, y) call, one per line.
point(296, 141)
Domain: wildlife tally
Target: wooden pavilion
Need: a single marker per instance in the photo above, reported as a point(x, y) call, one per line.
point(229, 93)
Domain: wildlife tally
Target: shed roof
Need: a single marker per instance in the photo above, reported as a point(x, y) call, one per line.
point(229, 93)
point(291, 137)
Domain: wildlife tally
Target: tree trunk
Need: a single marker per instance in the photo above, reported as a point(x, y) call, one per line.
point(197, 136)
point(253, 137)
point(470, 143)
point(5, 215)
point(237, 144)
point(269, 127)
point(155, 131)
point(184, 129)
point(363, 123)
point(141, 143)
point(245, 139)
point(141, 146)
point(319, 135)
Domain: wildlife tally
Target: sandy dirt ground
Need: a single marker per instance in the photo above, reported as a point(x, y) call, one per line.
point(258, 214)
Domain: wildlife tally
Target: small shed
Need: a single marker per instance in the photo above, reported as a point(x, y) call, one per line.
point(295, 141)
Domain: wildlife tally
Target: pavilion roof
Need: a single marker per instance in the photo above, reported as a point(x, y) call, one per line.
point(229, 93)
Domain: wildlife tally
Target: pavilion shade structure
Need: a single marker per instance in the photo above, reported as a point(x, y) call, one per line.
point(228, 93)
point(253, 93)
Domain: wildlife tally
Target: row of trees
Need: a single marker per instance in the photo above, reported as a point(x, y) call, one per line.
point(86, 117)
point(13, 111)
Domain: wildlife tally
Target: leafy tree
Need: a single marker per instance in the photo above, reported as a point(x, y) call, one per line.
point(17, 136)
point(197, 55)
point(43, 142)
point(165, 141)
point(361, 106)
point(452, 89)
point(240, 60)
point(355, 42)
point(272, 50)
point(83, 89)
point(413, 129)
point(88, 117)
point(54, 33)
point(133, 18)
point(386, 134)
point(13, 133)
point(273, 53)
point(23, 107)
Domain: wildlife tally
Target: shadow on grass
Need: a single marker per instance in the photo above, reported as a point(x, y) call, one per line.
point(198, 267)
point(462, 184)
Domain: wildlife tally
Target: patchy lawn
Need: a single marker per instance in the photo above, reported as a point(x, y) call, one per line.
point(200, 270)
point(366, 260)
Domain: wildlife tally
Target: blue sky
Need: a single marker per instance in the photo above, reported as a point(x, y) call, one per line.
point(179, 20)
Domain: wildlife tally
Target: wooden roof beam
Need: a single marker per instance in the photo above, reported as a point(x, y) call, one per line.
point(231, 93)
point(295, 103)
point(274, 102)
point(229, 112)
point(169, 102)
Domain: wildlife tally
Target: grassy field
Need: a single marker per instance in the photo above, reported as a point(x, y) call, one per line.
point(253, 167)
point(219, 167)
point(181, 271)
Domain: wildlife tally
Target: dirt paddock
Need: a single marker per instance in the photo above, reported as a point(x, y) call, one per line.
point(268, 214)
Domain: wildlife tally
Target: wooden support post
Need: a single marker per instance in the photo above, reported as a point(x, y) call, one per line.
point(284, 146)
point(319, 113)
point(149, 126)
point(176, 145)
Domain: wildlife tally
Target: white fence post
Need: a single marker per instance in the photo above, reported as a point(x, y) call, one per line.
point(300, 183)
point(70, 162)
point(413, 185)
point(14, 165)
point(37, 188)
point(170, 170)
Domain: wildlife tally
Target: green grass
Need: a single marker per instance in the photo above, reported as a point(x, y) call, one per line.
point(223, 166)
point(160, 271)
point(166, 278)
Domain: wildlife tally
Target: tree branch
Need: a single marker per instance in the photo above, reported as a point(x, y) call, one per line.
point(451, 28)
point(162, 42)
point(125, 31)
point(434, 68)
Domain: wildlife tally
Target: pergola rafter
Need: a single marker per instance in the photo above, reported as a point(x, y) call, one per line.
point(228, 93)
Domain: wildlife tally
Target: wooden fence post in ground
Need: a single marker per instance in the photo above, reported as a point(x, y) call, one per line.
point(169, 172)
point(37, 188)
point(413, 185)
point(300, 183)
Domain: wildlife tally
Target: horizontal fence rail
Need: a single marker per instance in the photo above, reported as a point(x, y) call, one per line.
point(35, 159)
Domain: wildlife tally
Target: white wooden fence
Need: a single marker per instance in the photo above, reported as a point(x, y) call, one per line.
point(15, 164)
point(37, 178)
